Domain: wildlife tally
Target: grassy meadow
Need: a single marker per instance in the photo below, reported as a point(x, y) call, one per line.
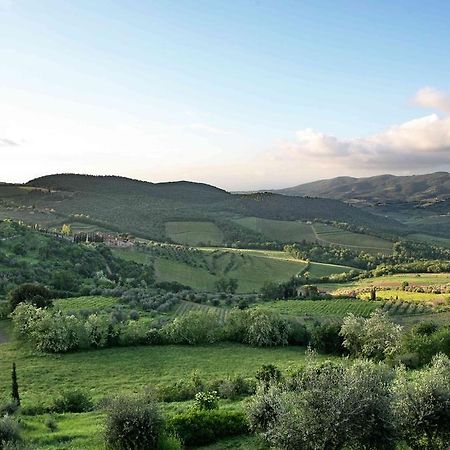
point(194, 233)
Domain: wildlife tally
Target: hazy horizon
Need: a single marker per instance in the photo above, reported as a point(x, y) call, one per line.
point(244, 96)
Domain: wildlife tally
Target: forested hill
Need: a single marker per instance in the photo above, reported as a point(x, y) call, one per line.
point(141, 208)
point(382, 188)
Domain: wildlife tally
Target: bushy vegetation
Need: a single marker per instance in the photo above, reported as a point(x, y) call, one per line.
point(365, 405)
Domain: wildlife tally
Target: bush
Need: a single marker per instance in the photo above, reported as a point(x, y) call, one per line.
point(133, 424)
point(9, 432)
point(256, 327)
point(195, 327)
point(326, 338)
point(197, 428)
point(298, 334)
point(36, 294)
point(422, 406)
point(206, 400)
point(268, 374)
point(73, 401)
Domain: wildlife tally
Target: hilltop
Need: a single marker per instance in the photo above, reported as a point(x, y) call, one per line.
point(381, 188)
point(144, 209)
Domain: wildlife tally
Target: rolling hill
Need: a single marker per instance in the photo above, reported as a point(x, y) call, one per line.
point(381, 188)
point(144, 209)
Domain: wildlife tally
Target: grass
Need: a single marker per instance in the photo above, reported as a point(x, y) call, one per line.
point(428, 239)
point(74, 431)
point(332, 235)
point(252, 268)
point(185, 307)
point(125, 370)
point(194, 233)
point(91, 302)
point(322, 308)
point(414, 279)
point(280, 230)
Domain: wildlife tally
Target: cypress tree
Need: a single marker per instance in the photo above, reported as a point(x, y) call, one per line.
point(15, 386)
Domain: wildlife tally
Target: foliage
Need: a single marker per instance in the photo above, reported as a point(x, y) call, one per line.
point(422, 406)
point(195, 327)
point(268, 374)
point(256, 327)
point(14, 386)
point(326, 338)
point(327, 407)
point(207, 400)
point(74, 401)
point(376, 337)
point(229, 285)
point(9, 432)
point(35, 294)
point(133, 424)
point(197, 428)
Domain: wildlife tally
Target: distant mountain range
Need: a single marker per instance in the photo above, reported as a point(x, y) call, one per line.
point(143, 208)
point(382, 188)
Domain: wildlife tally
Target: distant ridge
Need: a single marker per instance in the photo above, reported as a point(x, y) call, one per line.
point(380, 188)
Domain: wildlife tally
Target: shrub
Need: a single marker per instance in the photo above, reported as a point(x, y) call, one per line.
point(256, 327)
point(9, 432)
point(325, 338)
point(268, 374)
point(298, 334)
point(133, 424)
point(51, 424)
point(376, 337)
point(73, 401)
point(422, 406)
point(197, 428)
point(35, 294)
point(328, 406)
point(195, 327)
point(206, 400)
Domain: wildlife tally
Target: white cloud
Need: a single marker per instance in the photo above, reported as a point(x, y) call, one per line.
point(432, 98)
point(4, 142)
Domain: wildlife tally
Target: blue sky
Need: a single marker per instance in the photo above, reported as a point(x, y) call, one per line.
point(241, 94)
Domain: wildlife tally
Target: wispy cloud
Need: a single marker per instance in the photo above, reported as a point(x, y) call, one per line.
point(432, 98)
point(8, 143)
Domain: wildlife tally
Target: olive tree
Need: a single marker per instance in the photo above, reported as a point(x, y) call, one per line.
point(375, 337)
point(422, 406)
point(327, 407)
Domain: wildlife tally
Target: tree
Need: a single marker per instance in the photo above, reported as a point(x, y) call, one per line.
point(35, 294)
point(327, 407)
point(422, 406)
point(376, 337)
point(66, 230)
point(15, 386)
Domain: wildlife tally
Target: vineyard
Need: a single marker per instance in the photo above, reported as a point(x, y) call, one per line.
point(92, 303)
point(185, 307)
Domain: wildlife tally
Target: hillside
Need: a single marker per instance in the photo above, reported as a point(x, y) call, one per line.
point(144, 209)
point(381, 188)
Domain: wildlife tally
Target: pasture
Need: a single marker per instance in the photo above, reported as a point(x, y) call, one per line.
point(332, 235)
point(194, 233)
point(426, 298)
point(116, 370)
point(279, 230)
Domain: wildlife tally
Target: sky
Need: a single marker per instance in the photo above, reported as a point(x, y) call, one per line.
point(240, 94)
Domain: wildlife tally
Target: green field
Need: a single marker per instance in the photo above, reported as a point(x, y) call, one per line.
point(194, 233)
point(186, 307)
point(414, 279)
point(78, 303)
point(252, 268)
point(428, 239)
point(280, 230)
point(130, 369)
point(322, 308)
point(332, 235)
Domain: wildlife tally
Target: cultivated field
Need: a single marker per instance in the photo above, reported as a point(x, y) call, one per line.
point(96, 303)
point(332, 235)
point(322, 308)
point(194, 233)
point(279, 230)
